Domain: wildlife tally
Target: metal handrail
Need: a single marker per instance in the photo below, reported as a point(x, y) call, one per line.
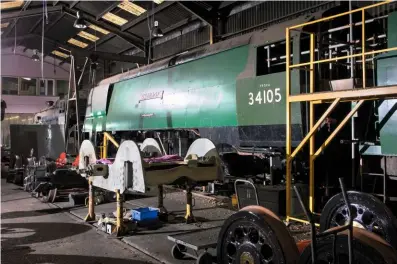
point(336, 96)
point(247, 182)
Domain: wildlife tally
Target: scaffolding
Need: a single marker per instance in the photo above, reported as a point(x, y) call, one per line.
point(332, 97)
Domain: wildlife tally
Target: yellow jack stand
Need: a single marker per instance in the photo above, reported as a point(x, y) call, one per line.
point(189, 206)
point(91, 211)
point(121, 229)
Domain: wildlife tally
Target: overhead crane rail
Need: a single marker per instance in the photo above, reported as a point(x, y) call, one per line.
point(333, 97)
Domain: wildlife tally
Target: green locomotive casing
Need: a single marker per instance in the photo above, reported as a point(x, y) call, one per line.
point(219, 94)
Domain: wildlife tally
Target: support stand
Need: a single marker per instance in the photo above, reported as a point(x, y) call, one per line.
point(120, 227)
point(161, 200)
point(189, 206)
point(91, 211)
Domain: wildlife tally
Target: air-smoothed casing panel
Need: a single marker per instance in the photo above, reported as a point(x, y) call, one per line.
point(95, 116)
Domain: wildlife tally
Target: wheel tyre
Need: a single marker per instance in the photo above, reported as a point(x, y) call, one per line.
point(267, 230)
point(204, 258)
point(368, 248)
point(388, 220)
point(177, 251)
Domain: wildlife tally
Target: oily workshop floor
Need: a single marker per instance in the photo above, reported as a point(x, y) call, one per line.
point(34, 232)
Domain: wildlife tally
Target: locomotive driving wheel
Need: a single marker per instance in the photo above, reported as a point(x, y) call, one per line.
point(254, 235)
point(367, 249)
point(367, 211)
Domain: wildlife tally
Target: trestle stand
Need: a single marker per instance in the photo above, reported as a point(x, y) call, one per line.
point(91, 210)
point(121, 229)
point(189, 205)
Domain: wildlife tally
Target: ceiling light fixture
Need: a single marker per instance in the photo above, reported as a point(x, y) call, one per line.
point(158, 1)
point(99, 29)
point(114, 19)
point(156, 31)
point(132, 8)
point(35, 57)
point(80, 22)
point(88, 36)
point(77, 43)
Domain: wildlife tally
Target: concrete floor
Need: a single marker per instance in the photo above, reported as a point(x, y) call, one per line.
point(33, 232)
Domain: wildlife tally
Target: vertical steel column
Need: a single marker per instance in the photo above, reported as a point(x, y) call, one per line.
point(311, 123)
point(105, 147)
point(288, 123)
point(363, 46)
point(353, 144)
point(91, 211)
point(211, 34)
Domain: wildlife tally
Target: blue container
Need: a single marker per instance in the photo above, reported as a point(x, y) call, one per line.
point(145, 213)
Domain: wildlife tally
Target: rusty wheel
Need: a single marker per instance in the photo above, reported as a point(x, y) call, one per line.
point(368, 213)
point(255, 235)
point(367, 249)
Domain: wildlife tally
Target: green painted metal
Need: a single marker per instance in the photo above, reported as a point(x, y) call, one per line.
point(200, 93)
point(387, 75)
point(262, 100)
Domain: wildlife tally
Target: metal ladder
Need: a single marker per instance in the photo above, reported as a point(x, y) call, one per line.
point(72, 101)
point(386, 177)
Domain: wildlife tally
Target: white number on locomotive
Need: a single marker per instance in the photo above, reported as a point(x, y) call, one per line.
point(265, 96)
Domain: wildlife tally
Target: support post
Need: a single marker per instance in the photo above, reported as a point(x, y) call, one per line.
point(120, 227)
point(311, 123)
point(91, 207)
point(105, 147)
point(363, 46)
point(189, 206)
point(288, 125)
point(161, 200)
point(211, 34)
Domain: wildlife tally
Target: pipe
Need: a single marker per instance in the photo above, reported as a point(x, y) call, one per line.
point(351, 40)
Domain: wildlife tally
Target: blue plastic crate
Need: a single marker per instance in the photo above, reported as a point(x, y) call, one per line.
point(145, 213)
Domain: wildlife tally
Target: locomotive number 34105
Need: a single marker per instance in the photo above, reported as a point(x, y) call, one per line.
point(265, 97)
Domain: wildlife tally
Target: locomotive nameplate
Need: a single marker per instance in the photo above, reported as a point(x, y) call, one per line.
point(151, 95)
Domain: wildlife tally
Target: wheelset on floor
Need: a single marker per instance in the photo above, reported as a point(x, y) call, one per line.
point(256, 235)
point(368, 213)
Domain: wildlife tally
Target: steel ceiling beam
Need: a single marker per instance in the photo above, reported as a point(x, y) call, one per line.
point(108, 9)
point(144, 16)
point(203, 14)
point(101, 41)
point(29, 12)
point(13, 23)
point(131, 38)
point(117, 57)
point(73, 3)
